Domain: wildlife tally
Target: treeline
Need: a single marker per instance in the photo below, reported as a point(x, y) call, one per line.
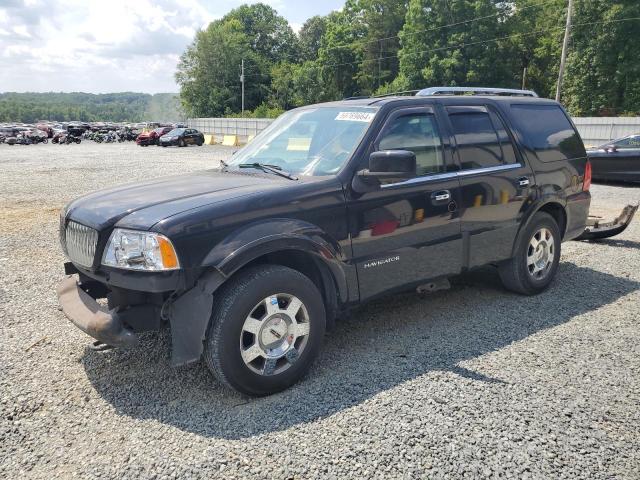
point(379, 46)
point(87, 107)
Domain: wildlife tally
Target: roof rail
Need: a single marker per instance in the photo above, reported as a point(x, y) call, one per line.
point(392, 94)
point(475, 91)
point(356, 97)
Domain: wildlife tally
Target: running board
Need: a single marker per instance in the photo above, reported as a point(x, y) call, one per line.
point(598, 229)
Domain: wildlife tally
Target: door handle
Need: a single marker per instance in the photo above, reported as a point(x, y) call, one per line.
point(441, 195)
point(523, 182)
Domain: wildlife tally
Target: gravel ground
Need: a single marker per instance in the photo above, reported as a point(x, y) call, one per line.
point(466, 383)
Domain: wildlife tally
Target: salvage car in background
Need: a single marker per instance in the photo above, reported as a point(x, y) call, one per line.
point(151, 138)
point(618, 160)
point(182, 137)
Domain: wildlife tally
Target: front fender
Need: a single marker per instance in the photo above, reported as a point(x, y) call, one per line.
point(257, 239)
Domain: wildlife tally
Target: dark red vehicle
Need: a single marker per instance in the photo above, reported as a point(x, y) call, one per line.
point(151, 138)
point(46, 129)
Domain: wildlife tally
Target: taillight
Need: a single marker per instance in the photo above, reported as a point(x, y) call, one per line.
point(586, 183)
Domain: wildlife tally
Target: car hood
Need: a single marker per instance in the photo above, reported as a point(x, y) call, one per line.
point(142, 205)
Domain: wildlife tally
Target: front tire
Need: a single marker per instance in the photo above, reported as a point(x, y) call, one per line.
point(536, 259)
point(266, 329)
point(181, 143)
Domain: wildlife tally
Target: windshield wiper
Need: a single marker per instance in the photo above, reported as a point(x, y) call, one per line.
point(266, 167)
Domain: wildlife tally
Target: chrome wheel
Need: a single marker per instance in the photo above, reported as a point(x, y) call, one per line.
point(540, 254)
point(274, 334)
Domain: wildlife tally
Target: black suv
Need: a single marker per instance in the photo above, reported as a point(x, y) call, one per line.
point(329, 207)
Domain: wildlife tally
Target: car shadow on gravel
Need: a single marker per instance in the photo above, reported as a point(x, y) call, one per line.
point(616, 242)
point(382, 345)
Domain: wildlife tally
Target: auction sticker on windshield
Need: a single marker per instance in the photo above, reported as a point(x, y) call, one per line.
point(356, 116)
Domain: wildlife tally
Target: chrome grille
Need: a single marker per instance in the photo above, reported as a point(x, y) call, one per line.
point(80, 242)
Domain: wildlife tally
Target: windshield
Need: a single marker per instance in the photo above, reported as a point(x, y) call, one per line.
point(309, 141)
point(175, 131)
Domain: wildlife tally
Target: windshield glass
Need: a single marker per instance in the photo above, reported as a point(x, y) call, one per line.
point(309, 141)
point(176, 132)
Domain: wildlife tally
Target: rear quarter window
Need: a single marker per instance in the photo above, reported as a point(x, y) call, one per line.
point(548, 132)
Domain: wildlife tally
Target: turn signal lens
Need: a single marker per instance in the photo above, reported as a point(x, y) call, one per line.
point(169, 257)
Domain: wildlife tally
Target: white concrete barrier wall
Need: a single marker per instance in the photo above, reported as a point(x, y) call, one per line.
point(243, 127)
point(593, 130)
point(598, 130)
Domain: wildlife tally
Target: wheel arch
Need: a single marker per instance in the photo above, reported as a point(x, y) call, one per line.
point(552, 207)
point(291, 243)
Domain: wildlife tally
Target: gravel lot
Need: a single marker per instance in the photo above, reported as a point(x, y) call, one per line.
point(466, 383)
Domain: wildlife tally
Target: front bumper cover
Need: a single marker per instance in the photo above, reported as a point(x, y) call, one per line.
point(92, 318)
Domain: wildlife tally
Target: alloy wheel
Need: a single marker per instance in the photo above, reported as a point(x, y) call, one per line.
point(274, 334)
point(540, 253)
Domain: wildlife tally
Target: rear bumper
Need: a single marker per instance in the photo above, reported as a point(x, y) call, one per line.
point(90, 317)
point(577, 209)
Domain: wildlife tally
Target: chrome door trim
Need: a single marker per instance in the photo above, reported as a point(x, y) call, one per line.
point(445, 176)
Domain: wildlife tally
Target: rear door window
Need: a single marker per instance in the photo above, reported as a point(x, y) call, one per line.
point(548, 132)
point(476, 138)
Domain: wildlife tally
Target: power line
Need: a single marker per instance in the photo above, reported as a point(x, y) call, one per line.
point(440, 27)
point(462, 45)
point(479, 42)
point(433, 29)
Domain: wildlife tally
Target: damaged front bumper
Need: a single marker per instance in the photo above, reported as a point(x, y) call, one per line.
point(598, 229)
point(91, 317)
point(187, 311)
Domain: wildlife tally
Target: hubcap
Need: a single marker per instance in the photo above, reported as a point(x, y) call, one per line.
point(274, 334)
point(540, 254)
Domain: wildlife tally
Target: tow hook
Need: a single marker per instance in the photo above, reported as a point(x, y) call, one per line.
point(598, 229)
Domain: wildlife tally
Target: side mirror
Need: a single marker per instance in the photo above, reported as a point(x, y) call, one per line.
point(611, 148)
point(385, 165)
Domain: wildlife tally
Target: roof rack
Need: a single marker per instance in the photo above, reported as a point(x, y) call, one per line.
point(475, 91)
point(392, 94)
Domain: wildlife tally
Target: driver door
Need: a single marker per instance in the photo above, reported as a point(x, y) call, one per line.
point(408, 232)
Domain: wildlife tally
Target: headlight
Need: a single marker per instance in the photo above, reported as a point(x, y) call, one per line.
point(136, 250)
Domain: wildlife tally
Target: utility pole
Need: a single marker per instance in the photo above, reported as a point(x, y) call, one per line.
point(242, 82)
point(524, 78)
point(565, 45)
point(379, 60)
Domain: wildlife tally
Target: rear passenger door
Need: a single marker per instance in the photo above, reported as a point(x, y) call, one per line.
point(495, 182)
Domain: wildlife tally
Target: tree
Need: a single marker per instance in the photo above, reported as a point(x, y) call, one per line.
point(603, 68)
point(295, 85)
point(208, 70)
point(268, 33)
point(536, 31)
point(310, 37)
point(338, 57)
point(440, 46)
point(382, 21)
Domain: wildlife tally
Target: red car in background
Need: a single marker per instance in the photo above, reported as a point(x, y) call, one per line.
point(151, 138)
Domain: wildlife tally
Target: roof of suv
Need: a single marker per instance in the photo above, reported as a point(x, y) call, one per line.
point(380, 101)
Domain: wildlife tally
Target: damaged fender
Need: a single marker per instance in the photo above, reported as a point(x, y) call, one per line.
point(189, 317)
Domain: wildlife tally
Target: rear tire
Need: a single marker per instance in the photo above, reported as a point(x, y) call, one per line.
point(266, 329)
point(536, 259)
point(181, 143)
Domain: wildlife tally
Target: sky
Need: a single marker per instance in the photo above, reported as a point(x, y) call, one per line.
point(102, 46)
